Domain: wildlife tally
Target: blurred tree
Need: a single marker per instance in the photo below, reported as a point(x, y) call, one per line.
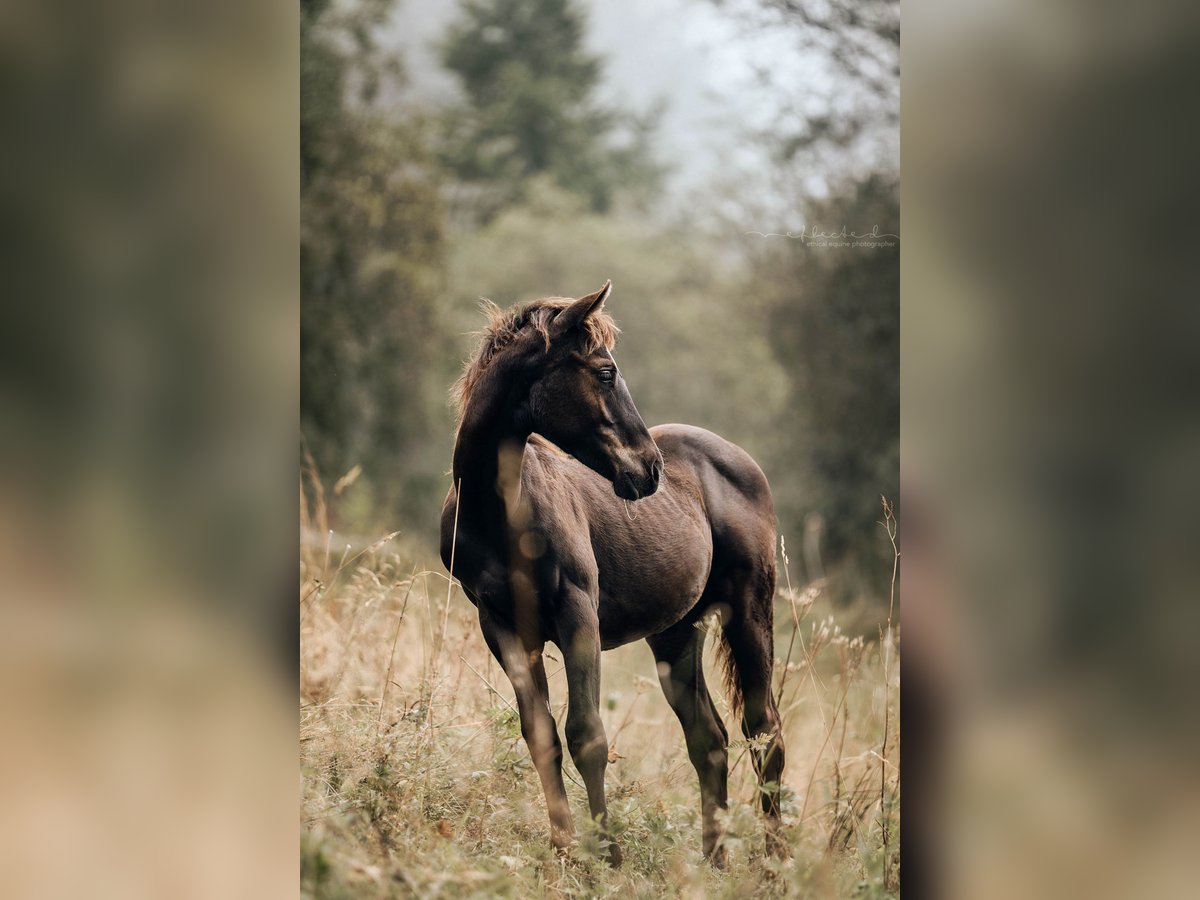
point(530, 108)
point(835, 326)
point(836, 104)
point(372, 251)
point(833, 145)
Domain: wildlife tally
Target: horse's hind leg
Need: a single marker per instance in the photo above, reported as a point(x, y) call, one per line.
point(750, 635)
point(679, 653)
point(527, 673)
point(579, 640)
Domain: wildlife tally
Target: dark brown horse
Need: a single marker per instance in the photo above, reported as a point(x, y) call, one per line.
point(541, 530)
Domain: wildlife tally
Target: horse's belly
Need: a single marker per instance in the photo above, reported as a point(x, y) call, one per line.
point(646, 592)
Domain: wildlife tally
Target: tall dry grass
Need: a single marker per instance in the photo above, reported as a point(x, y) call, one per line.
point(416, 782)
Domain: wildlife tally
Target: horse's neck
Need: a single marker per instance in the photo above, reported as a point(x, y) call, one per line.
point(488, 454)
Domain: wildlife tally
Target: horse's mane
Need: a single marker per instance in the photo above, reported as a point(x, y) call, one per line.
point(503, 328)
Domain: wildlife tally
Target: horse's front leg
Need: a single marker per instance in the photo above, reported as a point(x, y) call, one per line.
point(579, 640)
point(527, 673)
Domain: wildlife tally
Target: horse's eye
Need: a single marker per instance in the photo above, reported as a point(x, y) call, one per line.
point(607, 375)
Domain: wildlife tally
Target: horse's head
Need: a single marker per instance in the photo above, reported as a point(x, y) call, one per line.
point(579, 400)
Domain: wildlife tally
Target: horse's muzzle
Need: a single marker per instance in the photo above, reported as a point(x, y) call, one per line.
point(631, 486)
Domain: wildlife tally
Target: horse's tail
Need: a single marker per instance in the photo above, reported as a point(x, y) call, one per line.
point(746, 651)
point(745, 640)
point(734, 693)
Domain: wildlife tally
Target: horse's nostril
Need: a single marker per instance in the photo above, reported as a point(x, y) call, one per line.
point(653, 475)
point(654, 471)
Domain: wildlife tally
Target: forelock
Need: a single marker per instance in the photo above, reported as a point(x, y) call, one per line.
point(505, 326)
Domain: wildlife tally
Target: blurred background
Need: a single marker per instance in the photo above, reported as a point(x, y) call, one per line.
point(1049, 445)
point(685, 149)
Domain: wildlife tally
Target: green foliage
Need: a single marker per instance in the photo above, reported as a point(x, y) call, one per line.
point(319, 876)
point(371, 260)
point(530, 108)
point(835, 324)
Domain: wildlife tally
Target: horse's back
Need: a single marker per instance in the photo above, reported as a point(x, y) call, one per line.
point(703, 449)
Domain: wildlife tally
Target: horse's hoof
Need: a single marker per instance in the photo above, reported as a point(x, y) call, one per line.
point(562, 846)
point(777, 846)
point(717, 859)
point(615, 857)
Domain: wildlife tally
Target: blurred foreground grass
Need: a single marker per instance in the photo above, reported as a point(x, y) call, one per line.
point(416, 781)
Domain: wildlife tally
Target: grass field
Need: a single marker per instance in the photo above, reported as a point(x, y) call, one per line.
point(416, 782)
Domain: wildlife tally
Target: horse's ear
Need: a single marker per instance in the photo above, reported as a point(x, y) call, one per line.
point(574, 315)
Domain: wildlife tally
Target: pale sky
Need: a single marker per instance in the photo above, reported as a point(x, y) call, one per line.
point(686, 51)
